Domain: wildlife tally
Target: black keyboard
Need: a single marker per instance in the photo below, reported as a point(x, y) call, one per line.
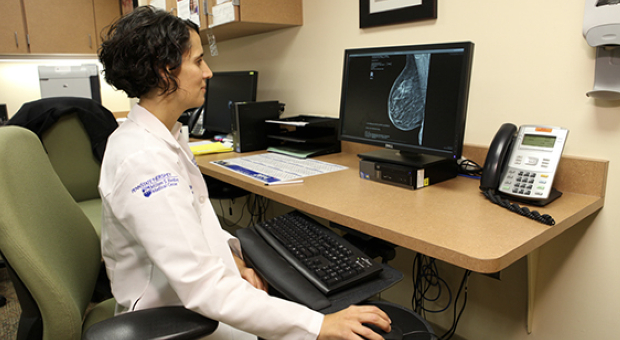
point(326, 259)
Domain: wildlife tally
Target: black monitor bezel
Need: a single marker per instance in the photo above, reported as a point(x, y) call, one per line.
point(217, 128)
point(462, 101)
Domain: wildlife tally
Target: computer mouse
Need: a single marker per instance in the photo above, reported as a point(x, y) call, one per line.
point(395, 334)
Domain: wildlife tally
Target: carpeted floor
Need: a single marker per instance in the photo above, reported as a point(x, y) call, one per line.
point(9, 314)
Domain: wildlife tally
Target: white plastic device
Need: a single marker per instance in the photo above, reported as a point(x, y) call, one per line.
point(533, 162)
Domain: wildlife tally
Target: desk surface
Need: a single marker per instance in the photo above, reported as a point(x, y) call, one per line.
point(451, 221)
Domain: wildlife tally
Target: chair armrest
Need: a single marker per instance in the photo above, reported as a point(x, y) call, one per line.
point(176, 323)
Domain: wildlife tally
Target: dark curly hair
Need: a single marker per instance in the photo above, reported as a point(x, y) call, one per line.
point(143, 48)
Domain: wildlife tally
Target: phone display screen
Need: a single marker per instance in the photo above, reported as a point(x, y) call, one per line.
point(539, 141)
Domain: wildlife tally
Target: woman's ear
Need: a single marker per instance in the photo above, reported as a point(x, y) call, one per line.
point(164, 73)
point(166, 80)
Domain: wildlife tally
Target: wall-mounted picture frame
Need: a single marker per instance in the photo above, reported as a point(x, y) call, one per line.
point(387, 12)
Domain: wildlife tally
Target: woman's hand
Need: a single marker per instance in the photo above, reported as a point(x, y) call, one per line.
point(347, 324)
point(250, 274)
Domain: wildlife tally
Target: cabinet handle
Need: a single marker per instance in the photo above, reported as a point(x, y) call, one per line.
point(90, 41)
point(16, 40)
point(28, 39)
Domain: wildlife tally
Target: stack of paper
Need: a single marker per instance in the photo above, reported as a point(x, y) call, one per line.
point(202, 148)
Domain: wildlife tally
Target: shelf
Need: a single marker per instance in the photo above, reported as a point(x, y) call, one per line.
point(254, 17)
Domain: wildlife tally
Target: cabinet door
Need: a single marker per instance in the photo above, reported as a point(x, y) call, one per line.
point(106, 12)
point(171, 6)
point(61, 26)
point(12, 28)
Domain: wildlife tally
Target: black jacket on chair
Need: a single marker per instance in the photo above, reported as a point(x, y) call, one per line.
point(39, 115)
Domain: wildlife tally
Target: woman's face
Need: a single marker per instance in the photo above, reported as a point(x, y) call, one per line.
point(192, 75)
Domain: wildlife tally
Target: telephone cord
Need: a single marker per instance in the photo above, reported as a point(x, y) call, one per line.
point(523, 211)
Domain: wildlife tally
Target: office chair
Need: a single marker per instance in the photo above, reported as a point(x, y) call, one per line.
point(2, 297)
point(53, 256)
point(73, 132)
point(68, 149)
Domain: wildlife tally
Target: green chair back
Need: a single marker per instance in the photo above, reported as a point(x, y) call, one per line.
point(44, 235)
point(69, 149)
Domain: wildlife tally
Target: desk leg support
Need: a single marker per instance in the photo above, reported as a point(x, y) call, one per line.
point(532, 270)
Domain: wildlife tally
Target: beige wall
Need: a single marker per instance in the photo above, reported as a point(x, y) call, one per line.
point(19, 83)
point(531, 65)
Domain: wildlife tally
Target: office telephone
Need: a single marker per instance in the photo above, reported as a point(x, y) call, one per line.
point(521, 165)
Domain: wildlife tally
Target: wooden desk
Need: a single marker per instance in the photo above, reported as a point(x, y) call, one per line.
point(451, 221)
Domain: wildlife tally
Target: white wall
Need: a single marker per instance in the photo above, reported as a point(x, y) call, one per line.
point(531, 65)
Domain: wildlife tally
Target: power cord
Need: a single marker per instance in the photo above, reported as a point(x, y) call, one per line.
point(456, 318)
point(426, 280)
point(426, 277)
point(514, 207)
point(257, 207)
point(470, 168)
point(232, 201)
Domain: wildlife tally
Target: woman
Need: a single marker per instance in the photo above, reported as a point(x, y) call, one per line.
point(161, 240)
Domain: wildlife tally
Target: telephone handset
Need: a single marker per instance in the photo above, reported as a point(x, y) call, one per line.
point(521, 165)
point(496, 156)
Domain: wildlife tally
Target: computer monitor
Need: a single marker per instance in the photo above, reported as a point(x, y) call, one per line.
point(410, 99)
point(224, 89)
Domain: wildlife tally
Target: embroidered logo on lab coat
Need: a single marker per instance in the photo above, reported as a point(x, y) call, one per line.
point(156, 184)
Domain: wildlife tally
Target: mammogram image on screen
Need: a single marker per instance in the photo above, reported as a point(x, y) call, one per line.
point(407, 100)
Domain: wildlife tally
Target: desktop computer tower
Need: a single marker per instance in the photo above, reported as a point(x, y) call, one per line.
point(410, 176)
point(249, 130)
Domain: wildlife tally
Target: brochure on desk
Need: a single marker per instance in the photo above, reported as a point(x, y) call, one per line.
point(273, 167)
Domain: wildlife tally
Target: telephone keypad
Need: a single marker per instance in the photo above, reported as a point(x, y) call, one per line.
point(524, 183)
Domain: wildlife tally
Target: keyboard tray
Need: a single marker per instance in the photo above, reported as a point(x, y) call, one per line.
point(323, 257)
point(290, 284)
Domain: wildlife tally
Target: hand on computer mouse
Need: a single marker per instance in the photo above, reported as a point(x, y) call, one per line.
point(348, 322)
point(394, 334)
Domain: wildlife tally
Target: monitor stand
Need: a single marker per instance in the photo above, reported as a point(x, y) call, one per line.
point(415, 160)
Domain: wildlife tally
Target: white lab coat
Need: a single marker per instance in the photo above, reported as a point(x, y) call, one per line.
point(163, 245)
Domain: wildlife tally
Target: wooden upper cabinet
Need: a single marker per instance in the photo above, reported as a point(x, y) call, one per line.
point(106, 12)
point(171, 6)
point(12, 28)
point(61, 26)
point(55, 26)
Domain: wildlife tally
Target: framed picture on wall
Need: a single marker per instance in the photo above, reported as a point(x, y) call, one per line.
point(386, 12)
